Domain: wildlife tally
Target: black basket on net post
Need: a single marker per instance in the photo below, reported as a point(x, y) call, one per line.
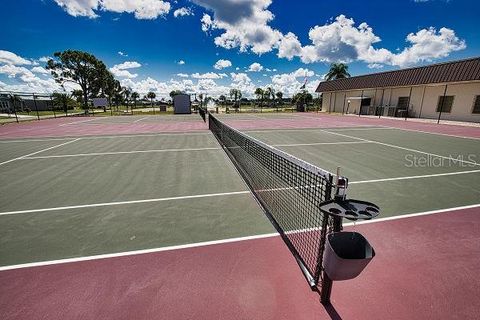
point(346, 253)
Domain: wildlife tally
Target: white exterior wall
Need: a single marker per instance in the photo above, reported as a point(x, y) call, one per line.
point(462, 103)
point(423, 100)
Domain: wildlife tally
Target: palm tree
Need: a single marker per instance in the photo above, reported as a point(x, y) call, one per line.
point(222, 99)
point(260, 93)
point(135, 96)
point(279, 96)
point(337, 71)
point(62, 99)
point(235, 94)
point(151, 95)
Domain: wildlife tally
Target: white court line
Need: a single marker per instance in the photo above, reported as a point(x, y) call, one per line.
point(435, 133)
point(136, 252)
point(34, 153)
point(35, 140)
point(411, 215)
point(359, 129)
point(118, 152)
point(138, 120)
point(279, 130)
point(209, 243)
point(318, 143)
point(75, 122)
point(402, 148)
point(116, 203)
point(111, 137)
point(415, 177)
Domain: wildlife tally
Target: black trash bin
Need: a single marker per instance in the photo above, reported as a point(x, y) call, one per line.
point(346, 255)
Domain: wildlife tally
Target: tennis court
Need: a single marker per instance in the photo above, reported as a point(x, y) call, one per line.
point(146, 217)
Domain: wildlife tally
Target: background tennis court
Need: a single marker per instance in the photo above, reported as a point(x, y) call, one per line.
point(134, 202)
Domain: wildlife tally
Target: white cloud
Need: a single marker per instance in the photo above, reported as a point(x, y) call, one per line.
point(22, 79)
point(180, 12)
point(12, 71)
point(207, 23)
point(221, 64)
point(342, 41)
point(208, 75)
point(289, 46)
point(244, 24)
point(181, 62)
point(289, 83)
point(428, 44)
point(123, 54)
point(121, 70)
point(182, 75)
point(142, 9)
point(39, 69)
point(255, 67)
point(44, 59)
point(11, 58)
point(374, 66)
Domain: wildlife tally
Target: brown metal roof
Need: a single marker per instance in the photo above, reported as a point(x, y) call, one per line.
point(454, 71)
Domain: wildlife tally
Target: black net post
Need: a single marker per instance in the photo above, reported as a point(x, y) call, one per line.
point(53, 107)
point(36, 107)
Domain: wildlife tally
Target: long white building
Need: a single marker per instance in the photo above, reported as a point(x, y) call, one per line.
point(449, 90)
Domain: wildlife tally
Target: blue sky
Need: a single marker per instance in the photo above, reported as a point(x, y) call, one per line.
point(258, 42)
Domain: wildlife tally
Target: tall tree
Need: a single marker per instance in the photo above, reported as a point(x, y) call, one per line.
point(63, 99)
point(110, 88)
point(78, 67)
point(337, 71)
point(236, 95)
point(279, 96)
point(222, 99)
point(135, 96)
point(260, 93)
point(151, 95)
point(173, 93)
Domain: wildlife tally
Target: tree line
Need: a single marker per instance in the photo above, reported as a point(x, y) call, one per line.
point(95, 80)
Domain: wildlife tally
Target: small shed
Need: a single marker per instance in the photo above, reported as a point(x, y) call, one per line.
point(182, 104)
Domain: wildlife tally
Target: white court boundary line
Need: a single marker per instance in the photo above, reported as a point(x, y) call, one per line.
point(75, 122)
point(402, 148)
point(118, 153)
point(318, 143)
point(194, 133)
point(213, 242)
point(279, 130)
point(116, 203)
point(138, 120)
point(416, 177)
point(412, 215)
point(434, 133)
point(34, 153)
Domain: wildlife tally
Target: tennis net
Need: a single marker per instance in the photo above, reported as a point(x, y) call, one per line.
point(203, 113)
point(288, 189)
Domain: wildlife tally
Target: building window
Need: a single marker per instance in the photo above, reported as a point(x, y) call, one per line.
point(402, 103)
point(476, 105)
point(445, 103)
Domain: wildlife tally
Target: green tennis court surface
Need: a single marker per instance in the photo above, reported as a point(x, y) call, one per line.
point(75, 198)
point(94, 195)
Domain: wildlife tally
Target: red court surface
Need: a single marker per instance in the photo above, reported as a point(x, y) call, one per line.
point(322, 120)
point(426, 268)
point(88, 126)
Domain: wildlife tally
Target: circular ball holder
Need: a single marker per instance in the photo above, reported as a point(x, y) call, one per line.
point(350, 209)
